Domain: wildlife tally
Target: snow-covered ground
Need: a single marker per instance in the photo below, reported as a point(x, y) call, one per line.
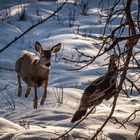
point(18, 119)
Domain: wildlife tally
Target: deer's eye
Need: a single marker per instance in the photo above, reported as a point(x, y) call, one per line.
point(43, 56)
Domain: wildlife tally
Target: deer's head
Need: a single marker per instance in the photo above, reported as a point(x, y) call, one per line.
point(45, 55)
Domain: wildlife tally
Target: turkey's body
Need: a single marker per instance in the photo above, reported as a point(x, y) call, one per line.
point(101, 89)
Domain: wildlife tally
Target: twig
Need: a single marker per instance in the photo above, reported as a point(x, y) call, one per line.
point(67, 132)
point(133, 84)
point(137, 134)
point(117, 122)
point(130, 116)
point(108, 118)
point(7, 69)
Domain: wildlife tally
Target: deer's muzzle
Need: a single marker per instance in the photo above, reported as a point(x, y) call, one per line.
point(48, 65)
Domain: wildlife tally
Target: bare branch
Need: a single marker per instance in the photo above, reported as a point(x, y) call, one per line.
point(129, 118)
point(30, 28)
point(67, 132)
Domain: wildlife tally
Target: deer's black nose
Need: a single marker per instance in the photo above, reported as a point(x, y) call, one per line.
point(48, 64)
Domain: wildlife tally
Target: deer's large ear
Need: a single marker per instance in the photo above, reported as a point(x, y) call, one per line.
point(38, 47)
point(56, 48)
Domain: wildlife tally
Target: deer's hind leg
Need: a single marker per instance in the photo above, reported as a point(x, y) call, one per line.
point(19, 85)
point(27, 91)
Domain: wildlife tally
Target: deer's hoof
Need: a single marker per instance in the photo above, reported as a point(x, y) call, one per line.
point(35, 106)
point(19, 95)
point(26, 96)
point(41, 103)
point(43, 100)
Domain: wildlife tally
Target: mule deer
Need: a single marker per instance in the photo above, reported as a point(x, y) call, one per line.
point(34, 70)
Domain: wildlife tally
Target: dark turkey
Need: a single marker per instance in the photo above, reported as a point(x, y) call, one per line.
point(101, 89)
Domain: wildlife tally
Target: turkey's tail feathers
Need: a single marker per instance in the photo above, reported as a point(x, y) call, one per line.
point(78, 115)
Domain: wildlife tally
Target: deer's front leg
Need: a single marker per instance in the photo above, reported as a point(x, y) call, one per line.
point(19, 85)
point(35, 97)
point(45, 84)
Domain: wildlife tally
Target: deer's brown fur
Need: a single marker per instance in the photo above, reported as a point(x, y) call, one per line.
point(34, 70)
